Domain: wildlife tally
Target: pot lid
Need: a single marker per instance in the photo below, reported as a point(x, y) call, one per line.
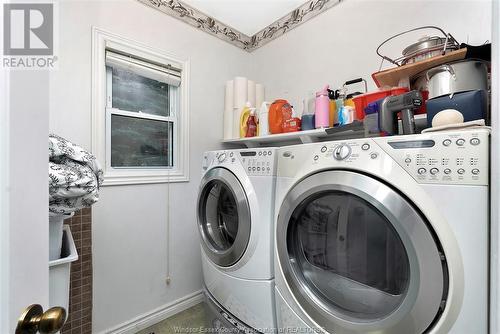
point(427, 43)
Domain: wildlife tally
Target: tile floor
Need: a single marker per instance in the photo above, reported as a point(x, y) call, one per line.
point(188, 321)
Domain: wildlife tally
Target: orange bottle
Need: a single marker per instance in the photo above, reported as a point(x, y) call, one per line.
point(279, 111)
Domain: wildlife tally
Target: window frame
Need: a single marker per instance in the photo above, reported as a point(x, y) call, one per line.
point(101, 113)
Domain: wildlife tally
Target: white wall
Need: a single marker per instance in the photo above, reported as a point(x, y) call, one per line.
point(340, 44)
point(129, 222)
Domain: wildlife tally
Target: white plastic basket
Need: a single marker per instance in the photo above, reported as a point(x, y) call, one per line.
point(56, 235)
point(60, 270)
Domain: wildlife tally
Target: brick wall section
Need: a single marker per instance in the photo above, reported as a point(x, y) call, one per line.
point(80, 300)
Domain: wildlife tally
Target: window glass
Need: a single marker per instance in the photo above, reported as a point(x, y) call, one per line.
point(140, 142)
point(348, 254)
point(132, 92)
point(220, 216)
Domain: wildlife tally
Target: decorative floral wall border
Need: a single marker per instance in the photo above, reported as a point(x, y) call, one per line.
point(220, 30)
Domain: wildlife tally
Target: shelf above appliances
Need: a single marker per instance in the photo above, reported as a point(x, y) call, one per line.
point(349, 131)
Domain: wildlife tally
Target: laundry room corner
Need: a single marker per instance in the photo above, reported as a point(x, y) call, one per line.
point(250, 166)
point(142, 234)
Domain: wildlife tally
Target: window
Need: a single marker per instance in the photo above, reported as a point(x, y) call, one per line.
point(141, 109)
point(140, 112)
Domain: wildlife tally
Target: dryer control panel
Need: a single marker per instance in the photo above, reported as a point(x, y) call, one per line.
point(258, 161)
point(458, 157)
point(255, 162)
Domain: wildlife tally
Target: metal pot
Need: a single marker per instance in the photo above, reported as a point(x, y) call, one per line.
point(457, 77)
point(426, 47)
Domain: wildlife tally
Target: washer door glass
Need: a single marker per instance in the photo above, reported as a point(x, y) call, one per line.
point(358, 257)
point(349, 254)
point(223, 217)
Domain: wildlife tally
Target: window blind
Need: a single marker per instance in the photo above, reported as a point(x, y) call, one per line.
point(163, 73)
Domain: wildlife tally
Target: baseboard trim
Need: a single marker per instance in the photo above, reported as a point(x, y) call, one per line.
point(149, 319)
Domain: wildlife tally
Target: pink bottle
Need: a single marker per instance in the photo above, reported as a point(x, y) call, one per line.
point(322, 110)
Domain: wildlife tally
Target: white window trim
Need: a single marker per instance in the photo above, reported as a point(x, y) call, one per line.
point(101, 40)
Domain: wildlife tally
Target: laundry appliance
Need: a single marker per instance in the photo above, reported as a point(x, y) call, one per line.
point(235, 220)
point(384, 235)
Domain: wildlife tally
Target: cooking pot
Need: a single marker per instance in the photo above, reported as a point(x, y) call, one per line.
point(426, 47)
point(457, 77)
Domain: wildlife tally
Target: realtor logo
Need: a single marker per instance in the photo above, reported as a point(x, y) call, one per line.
point(28, 29)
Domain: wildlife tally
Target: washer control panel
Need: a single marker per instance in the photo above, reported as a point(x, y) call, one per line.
point(256, 162)
point(451, 157)
point(342, 151)
point(459, 157)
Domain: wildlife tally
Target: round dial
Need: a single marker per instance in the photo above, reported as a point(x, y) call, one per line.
point(342, 152)
point(222, 157)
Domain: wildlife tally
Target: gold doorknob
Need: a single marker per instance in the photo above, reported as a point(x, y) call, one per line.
point(34, 320)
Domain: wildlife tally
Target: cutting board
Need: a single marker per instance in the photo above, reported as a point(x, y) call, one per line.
point(392, 76)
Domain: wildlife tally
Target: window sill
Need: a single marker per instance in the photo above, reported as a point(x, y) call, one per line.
point(120, 179)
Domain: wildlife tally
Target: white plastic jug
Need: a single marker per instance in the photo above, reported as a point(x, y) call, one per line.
point(263, 116)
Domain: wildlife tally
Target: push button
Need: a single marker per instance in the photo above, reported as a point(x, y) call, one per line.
point(422, 171)
point(461, 171)
point(323, 149)
point(475, 171)
point(408, 160)
point(475, 141)
point(446, 142)
point(434, 171)
point(460, 142)
point(447, 171)
point(365, 147)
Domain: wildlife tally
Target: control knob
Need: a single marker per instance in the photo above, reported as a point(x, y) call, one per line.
point(222, 157)
point(342, 152)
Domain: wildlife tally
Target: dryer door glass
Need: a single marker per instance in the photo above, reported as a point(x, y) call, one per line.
point(223, 217)
point(358, 257)
point(349, 254)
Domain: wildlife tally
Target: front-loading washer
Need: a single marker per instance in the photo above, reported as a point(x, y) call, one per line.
point(384, 235)
point(235, 220)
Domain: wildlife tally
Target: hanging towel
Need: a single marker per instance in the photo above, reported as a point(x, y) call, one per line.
point(75, 177)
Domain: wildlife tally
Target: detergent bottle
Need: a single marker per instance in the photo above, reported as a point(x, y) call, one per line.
point(339, 104)
point(251, 124)
point(263, 116)
point(333, 117)
point(245, 113)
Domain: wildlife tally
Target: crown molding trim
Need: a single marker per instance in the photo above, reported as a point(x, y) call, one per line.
point(201, 21)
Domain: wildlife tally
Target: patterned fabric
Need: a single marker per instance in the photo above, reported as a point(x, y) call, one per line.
point(75, 177)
